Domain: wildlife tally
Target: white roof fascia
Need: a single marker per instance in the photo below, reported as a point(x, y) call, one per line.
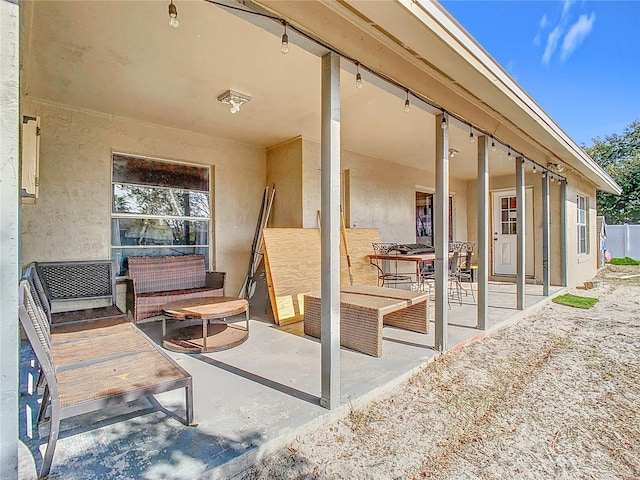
point(435, 17)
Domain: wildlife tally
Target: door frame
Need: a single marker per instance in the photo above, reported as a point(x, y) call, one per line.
point(530, 265)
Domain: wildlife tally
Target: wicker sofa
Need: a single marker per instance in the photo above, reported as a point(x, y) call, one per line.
point(153, 282)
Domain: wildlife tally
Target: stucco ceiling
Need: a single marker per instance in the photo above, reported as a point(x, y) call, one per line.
point(122, 58)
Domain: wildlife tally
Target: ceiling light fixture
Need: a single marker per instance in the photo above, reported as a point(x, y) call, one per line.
point(406, 102)
point(358, 76)
point(453, 152)
point(235, 99)
point(284, 47)
point(558, 167)
point(173, 15)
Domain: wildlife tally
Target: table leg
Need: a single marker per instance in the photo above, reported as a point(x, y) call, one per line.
point(164, 326)
point(205, 331)
point(247, 315)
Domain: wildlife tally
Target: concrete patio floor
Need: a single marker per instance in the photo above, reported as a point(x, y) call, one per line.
point(249, 400)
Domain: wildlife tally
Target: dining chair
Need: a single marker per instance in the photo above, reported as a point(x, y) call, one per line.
point(464, 269)
point(428, 277)
point(388, 274)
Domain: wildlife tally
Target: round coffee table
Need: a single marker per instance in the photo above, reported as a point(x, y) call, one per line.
point(208, 338)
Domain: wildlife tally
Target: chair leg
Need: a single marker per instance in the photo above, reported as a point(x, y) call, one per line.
point(189, 404)
point(457, 293)
point(43, 405)
point(54, 431)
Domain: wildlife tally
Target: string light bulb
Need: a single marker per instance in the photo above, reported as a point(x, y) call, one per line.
point(493, 144)
point(407, 103)
point(358, 76)
point(509, 151)
point(472, 138)
point(534, 169)
point(443, 123)
point(173, 15)
point(284, 47)
point(544, 174)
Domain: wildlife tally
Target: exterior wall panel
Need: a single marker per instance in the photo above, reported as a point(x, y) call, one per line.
point(71, 219)
point(382, 194)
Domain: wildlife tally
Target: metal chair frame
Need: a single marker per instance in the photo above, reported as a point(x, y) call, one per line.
point(36, 326)
point(388, 276)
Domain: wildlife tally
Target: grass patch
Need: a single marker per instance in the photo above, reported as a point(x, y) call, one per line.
point(575, 301)
point(624, 261)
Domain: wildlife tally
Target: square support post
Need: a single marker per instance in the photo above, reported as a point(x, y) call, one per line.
point(483, 230)
point(441, 224)
point(563, 233)
point(520, 233)
point(330, 232)
point(9, 236)
point(545, 235)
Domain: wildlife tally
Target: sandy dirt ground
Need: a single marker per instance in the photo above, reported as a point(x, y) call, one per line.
point(555, 396)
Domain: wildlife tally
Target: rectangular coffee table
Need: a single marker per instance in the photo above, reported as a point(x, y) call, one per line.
point(364, 310)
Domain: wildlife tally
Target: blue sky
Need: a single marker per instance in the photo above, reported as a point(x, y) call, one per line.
point(579, 60)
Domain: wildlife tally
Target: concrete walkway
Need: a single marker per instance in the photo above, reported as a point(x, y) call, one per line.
point(249, 401)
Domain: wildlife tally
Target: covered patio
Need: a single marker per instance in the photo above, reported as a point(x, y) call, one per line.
point(249, 400)
point(348, 118)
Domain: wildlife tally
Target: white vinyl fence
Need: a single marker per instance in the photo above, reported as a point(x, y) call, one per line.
point(624, 240)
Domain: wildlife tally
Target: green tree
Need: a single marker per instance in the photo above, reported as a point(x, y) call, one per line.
point(619, 156)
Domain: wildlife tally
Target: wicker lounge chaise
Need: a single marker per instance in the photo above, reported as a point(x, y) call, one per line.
point(80, 378)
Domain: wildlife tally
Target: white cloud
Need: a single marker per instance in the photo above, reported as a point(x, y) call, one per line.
point(566, 6)
point(576, 35)
point(552, 43)
point(544, 21)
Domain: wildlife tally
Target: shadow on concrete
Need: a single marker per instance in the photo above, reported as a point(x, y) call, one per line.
point(135, 440)
point(280, 387)
point(409, 344)
point(461, 325)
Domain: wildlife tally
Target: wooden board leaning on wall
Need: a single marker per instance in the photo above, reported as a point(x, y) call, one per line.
point(292, 263)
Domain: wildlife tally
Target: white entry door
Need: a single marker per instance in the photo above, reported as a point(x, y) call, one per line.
point(505, 221)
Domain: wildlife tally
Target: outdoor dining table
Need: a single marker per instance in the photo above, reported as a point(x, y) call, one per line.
point(418, 259)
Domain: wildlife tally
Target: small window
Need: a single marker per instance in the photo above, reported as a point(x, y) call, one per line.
point(158, 208)
point(582, 224)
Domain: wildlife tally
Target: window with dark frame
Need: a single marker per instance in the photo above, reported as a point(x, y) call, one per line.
point(158, 208)
point(424, 218)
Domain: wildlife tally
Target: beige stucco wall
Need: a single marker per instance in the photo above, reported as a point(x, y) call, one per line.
point(581, 267)
point(382, 194)
point(284, 172)
point(71, 219)
point(584, 266)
